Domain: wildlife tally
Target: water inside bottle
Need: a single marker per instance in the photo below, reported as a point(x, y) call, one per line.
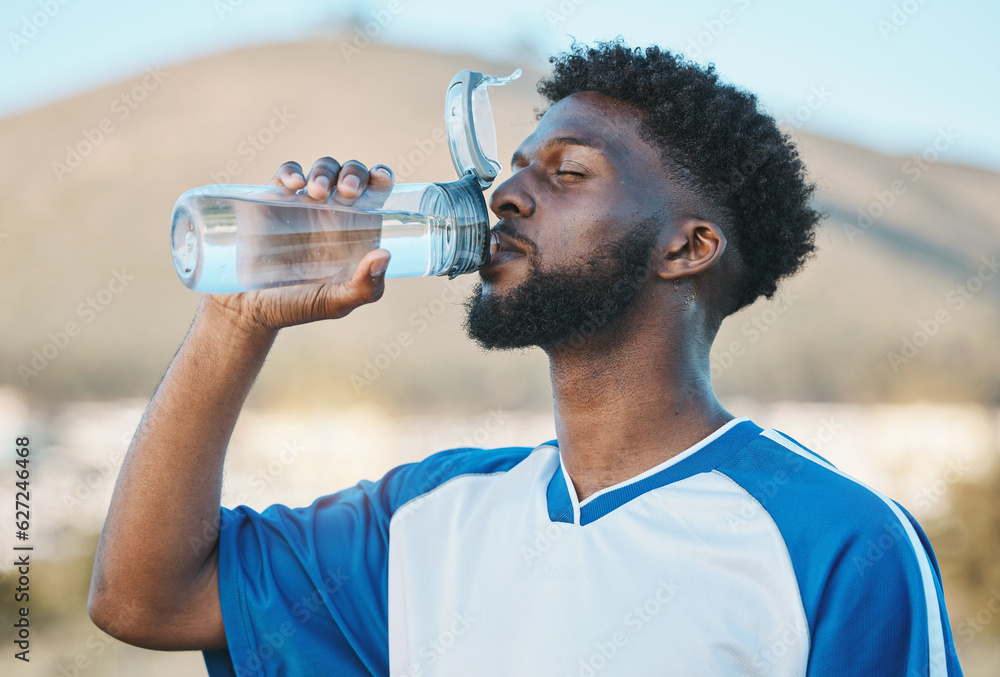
point(249, 244)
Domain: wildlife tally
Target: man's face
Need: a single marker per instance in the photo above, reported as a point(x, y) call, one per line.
point(578, 221)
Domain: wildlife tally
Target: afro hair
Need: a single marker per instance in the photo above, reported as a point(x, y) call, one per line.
point(718, 143)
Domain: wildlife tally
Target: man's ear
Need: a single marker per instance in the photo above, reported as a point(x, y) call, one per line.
point(690, 247)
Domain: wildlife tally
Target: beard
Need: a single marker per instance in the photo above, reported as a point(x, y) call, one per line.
point(565, 308)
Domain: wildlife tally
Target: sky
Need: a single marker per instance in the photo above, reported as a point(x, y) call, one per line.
point(892, 75)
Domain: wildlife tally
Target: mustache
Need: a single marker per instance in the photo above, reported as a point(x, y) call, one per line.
point(503, 226)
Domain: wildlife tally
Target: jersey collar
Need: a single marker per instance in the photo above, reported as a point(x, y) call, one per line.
point(704, 456)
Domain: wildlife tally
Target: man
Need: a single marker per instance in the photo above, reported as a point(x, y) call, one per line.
point(657, 535)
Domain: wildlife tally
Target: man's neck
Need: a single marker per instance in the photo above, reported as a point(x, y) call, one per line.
point(621, 412)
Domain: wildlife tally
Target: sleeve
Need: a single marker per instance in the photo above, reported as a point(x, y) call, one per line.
point(304, 591)
point(882, 609)
point(867, 576)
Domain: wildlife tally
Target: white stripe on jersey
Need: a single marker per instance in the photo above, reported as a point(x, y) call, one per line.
point(936, 653)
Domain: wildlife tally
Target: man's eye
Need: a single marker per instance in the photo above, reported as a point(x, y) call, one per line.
point(563, 172)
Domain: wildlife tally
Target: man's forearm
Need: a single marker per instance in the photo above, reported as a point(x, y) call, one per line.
point(155, 581)
point(162, 525)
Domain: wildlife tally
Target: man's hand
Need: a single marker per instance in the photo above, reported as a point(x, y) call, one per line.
point(268, 310)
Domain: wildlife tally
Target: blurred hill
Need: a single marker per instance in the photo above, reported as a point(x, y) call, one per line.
point(88, 188)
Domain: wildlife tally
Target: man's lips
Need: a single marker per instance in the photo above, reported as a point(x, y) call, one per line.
point(500, 258)
point(503, 249)
point(504, 243)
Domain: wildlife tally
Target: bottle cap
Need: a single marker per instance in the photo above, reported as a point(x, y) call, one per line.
point(472, 136)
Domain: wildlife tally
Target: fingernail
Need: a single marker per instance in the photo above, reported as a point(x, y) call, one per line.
point(378, 270)
point(323, 182)
point(352, 182)
point(384, 171)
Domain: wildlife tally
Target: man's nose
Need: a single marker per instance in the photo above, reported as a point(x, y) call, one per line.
point(511, 197)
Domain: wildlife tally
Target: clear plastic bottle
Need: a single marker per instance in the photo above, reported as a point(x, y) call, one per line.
point(232, 238)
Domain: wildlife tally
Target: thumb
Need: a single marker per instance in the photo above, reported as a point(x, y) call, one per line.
point(366, 285)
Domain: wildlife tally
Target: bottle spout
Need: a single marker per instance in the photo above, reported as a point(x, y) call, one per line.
point(472, 242)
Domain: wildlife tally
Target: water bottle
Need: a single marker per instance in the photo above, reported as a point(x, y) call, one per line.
point(235, 238)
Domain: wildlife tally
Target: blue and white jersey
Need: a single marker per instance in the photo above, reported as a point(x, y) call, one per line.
point(744, 555)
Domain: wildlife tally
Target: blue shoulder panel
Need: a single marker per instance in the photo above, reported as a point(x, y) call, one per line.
point(857, 567)
point(304, 591)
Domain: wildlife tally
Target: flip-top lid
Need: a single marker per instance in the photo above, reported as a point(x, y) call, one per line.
point(472, 137)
